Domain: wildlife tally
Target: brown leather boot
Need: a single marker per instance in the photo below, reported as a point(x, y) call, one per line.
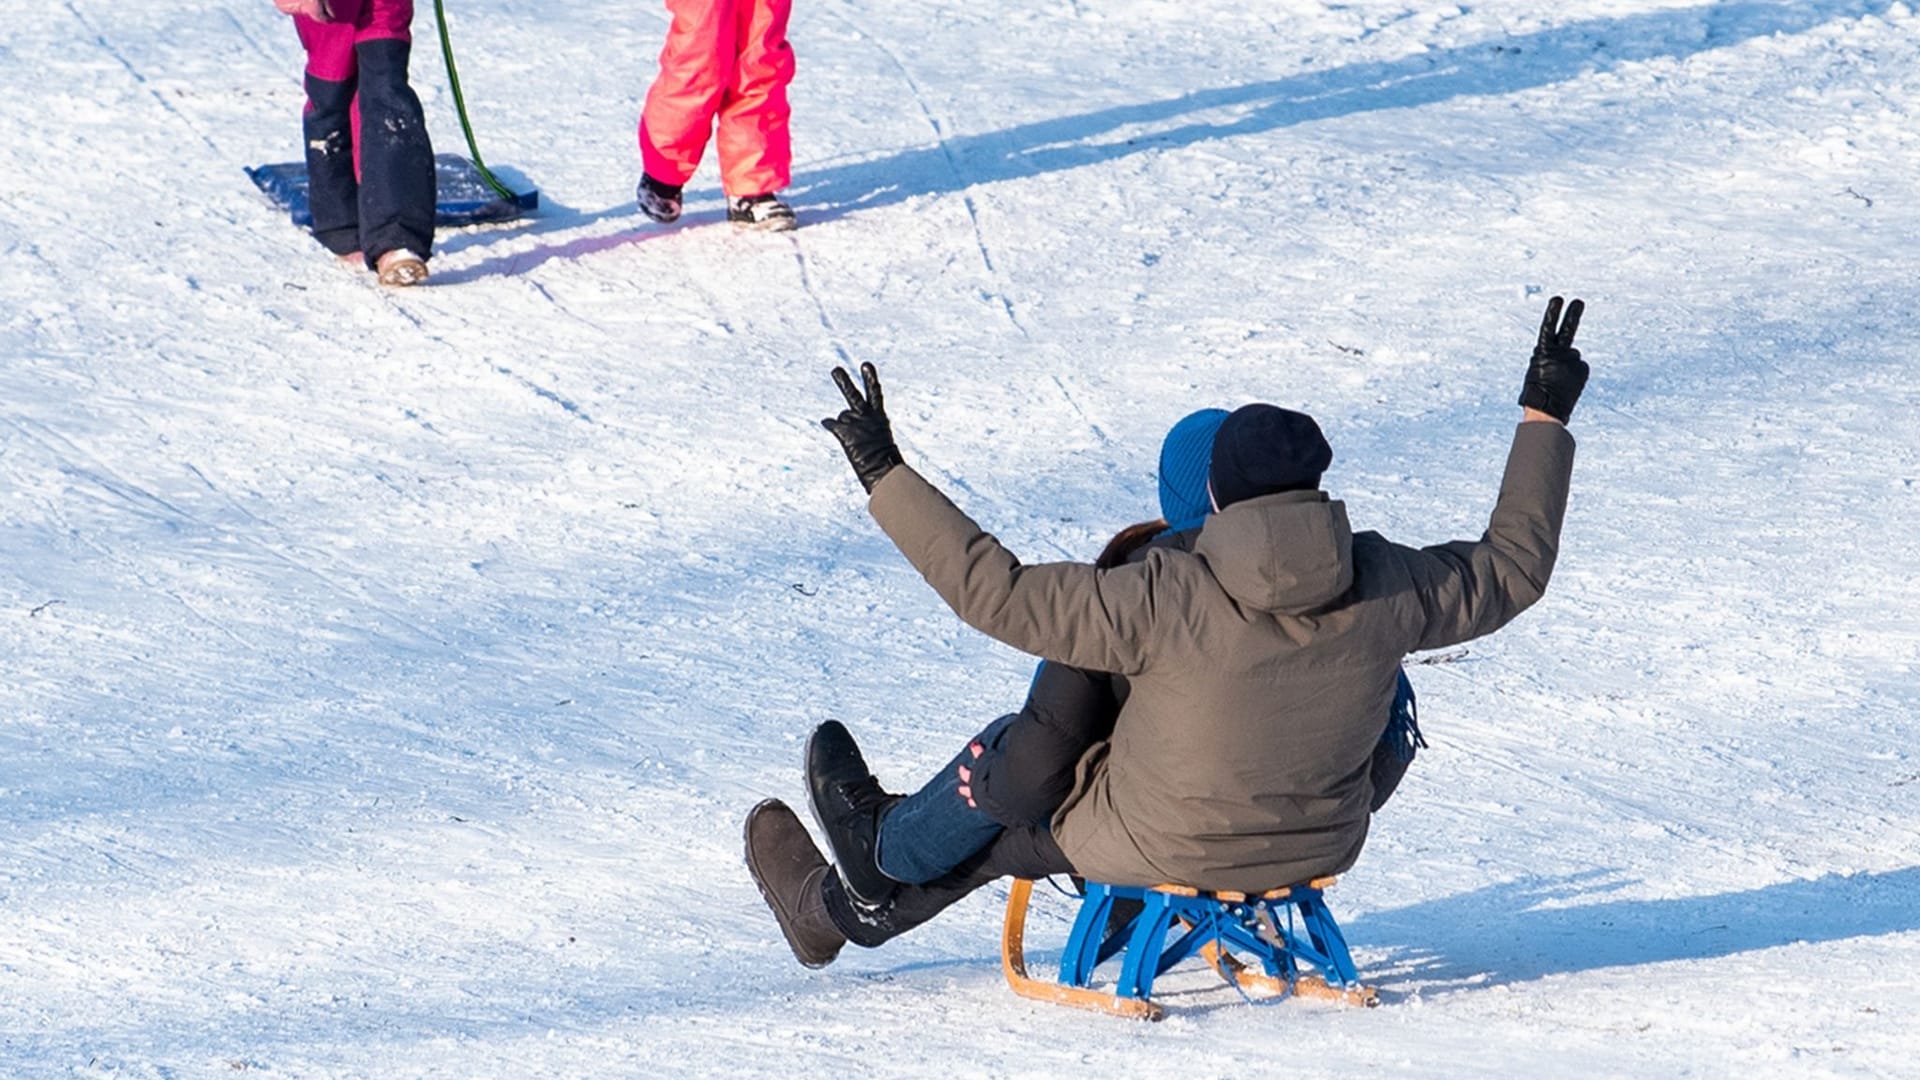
point(791, 874)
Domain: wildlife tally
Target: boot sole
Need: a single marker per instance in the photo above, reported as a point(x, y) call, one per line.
point(813, 793)
point(769, 225)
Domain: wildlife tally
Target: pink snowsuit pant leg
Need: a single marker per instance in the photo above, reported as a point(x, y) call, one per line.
point(724, 60)
point(330, 45)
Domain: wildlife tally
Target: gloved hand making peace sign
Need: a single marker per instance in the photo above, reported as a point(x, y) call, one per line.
point(863, 429)
point(1557, 374)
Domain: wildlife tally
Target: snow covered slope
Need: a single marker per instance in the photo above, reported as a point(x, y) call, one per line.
point(384, 676)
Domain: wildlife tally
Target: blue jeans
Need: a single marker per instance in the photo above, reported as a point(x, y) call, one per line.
point(933, 830)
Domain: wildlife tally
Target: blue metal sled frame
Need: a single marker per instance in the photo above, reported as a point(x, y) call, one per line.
point(1311, 961)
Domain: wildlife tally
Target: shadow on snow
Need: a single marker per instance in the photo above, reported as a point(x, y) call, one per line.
point(1480, 69)
point(1519, 931)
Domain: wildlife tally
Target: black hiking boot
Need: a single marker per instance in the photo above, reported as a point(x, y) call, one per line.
point(792, 874)
point(849, 803)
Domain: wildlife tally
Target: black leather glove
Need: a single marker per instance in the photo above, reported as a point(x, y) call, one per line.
point(1557, 374)
point(863, 429)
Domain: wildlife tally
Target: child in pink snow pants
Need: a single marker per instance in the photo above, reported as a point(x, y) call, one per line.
point(370, 179)
point(726, 61)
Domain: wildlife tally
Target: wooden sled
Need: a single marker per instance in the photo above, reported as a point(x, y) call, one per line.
point(1218, 927)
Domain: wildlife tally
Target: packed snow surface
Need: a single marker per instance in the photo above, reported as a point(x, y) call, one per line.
point(384, 675)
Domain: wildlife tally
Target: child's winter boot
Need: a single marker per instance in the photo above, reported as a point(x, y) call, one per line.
point(657, 200)
point(761, 213)
point(400, 268)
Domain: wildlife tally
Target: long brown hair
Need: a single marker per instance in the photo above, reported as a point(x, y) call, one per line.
point(1127, 541)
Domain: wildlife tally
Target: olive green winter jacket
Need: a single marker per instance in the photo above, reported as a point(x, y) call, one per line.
point(1262, 663)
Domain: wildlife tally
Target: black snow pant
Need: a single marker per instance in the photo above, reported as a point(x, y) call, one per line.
point(388, 203)
point(1026, 851)
point(1025, 772)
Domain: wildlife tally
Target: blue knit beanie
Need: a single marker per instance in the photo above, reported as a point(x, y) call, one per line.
point(1183, 468)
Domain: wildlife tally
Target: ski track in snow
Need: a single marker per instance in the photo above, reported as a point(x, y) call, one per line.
point(946, 153)
point(388, 673)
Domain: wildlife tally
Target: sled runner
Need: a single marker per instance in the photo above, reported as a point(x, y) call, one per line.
point(1214, 926)
point(465, 198)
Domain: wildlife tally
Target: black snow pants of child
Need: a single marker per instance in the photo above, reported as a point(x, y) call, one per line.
point(386, 204)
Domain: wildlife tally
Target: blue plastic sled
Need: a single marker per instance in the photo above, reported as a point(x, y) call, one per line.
point(464, 199)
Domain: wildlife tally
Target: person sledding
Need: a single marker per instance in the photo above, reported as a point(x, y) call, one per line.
point(1019, 769)
point(726, 64)
point(1261, 666)
point(370, 174)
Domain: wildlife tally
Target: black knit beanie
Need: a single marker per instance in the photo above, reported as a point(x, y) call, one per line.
point(1263, 449)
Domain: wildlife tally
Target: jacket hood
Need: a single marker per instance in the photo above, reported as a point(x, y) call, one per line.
point(1287, 553)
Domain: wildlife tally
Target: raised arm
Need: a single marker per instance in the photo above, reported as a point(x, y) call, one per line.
point(1472, 588)
point(1068, 612)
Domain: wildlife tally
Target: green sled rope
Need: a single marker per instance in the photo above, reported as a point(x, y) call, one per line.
point(460, 104)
